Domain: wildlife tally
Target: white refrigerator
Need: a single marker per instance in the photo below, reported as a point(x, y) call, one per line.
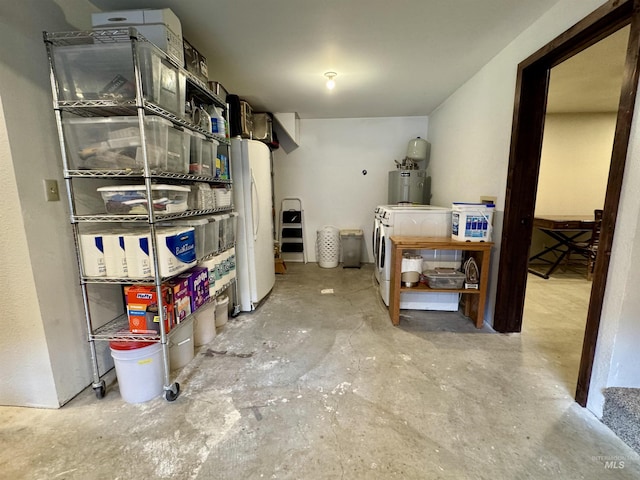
point(251, 175)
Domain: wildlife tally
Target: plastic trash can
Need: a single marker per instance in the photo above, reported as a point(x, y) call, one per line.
point(351, 241)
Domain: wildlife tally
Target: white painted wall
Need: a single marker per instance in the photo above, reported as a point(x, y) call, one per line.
point(43, 349)
point(470, 132)
point(576, 156)
point(325, 171)
point(574, 166)
point(617, 355)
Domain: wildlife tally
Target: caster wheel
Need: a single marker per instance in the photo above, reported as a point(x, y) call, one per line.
point(173, 393)
point(100, 391)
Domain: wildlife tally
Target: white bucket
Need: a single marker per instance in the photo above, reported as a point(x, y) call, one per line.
point(204, 324)
point(139, 370)
point(222, 310)
point(181, 348)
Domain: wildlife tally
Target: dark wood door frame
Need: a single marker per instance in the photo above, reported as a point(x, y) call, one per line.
point(524, 164)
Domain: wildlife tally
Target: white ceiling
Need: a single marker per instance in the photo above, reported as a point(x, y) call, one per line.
point(393, 57)
point(590, 81)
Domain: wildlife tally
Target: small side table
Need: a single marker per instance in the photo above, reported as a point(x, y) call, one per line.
point(475, 300)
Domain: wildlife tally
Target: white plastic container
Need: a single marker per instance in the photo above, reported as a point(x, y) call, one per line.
point(181, 345)
point(115, 259)
point(139, 370)
point(132, 199)
point(204, 324)
point(472, 222)
point(92, 248)
point(176, 250)
point(222, 310)
point(137, 249)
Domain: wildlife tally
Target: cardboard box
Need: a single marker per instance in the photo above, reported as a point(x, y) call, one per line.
point(181, 298)
point(142, 309)
point(280, 266)
point(160, 26)
point(198, 281)
point(195, 62)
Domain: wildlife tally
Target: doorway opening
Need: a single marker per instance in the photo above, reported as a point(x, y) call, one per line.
point(524, 164)
point(584, 93)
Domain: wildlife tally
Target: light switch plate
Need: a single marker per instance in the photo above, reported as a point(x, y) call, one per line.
point(51, 193)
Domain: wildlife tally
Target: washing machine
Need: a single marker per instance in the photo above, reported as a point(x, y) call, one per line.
point(414, 220)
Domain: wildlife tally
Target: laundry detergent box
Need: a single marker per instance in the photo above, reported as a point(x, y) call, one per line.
point(181, 298)
point(142, 309)
point(198, 279)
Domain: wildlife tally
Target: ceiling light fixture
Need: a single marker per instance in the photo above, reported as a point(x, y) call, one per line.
point(331, 82)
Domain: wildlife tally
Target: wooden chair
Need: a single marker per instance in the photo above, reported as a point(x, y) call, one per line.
point(589, 249)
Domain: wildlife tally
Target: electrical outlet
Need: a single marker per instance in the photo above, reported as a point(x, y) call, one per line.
point(51, 193)
point(488, 199)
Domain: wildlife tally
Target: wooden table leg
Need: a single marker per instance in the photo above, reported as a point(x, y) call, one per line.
point(394, 291)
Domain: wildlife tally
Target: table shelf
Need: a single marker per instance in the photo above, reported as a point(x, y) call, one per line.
point(475, 299)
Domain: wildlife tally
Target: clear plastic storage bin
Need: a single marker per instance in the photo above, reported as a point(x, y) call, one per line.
point(114, 143)
point(195, 157)
point(132, 199)
point(444, 278)
point(105, 72)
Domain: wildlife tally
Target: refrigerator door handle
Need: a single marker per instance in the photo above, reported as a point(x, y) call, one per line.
point(256, 225)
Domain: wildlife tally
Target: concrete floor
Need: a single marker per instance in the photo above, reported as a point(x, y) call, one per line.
point(322, 386)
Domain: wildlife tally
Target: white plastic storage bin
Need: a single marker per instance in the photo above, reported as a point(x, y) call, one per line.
point(139, 370)
point(181, 345)
point(132, 199)
point(472, 222)
point(114, 143)
point(104, 71)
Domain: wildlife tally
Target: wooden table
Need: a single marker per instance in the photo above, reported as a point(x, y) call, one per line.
point(564, 229)
point(474, 299)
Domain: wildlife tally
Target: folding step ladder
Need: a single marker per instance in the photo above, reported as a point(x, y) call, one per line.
point(291, 233)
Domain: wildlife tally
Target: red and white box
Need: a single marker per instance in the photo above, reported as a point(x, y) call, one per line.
point(142, 309)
